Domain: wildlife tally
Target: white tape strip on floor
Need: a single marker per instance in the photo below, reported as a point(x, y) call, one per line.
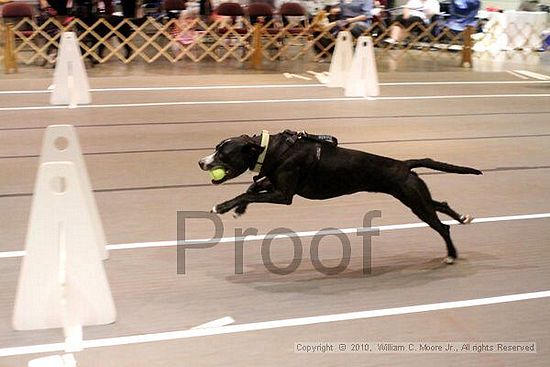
point(303, 234)
point(227, 320)
point(533, 75)
point(517, 75)
point(271, 101)
point(275, 324)
point(260, 86)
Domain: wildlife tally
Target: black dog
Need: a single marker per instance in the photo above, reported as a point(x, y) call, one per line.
point(314, 167)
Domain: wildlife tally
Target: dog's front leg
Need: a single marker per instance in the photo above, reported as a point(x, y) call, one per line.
point(274, 197)
point(258, 186)
point(280, 192)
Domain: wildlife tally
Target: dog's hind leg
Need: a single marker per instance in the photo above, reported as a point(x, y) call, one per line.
point(415, 194)
point(429, 216)
point(444, 208)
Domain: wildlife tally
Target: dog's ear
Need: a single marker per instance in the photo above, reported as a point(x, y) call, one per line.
point(251, 147)
point(247, 138)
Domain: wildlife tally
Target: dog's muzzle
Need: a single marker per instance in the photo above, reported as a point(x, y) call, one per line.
point(206, 163)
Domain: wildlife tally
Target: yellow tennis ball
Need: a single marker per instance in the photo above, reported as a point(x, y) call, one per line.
point(217, 173)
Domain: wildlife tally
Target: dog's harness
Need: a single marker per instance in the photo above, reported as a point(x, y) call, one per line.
point(291, 138)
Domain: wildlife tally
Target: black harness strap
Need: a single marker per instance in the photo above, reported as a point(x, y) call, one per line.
point(325, 139)
point(291, 137)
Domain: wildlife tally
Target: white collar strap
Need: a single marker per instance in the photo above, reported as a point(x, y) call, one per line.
point(264, 143)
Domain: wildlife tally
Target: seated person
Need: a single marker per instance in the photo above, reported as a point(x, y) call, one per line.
point(380, 14)
point(185, 30)
point(354, 15)
point(56, 8)
point(415, 11)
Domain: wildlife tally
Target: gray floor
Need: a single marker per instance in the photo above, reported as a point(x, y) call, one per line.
point(142, 164)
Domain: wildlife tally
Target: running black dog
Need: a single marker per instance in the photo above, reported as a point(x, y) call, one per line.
point(314, 167)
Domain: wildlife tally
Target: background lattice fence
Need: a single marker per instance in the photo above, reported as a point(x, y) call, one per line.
point(194, 40)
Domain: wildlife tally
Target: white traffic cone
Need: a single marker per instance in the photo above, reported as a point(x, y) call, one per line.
point(70, 81)
point(341, 60)
point(62, 282)
point(362, 79)
point(60, 144)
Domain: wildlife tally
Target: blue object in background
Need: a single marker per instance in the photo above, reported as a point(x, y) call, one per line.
point(463, 14)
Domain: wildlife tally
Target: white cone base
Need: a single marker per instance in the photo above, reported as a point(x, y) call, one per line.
point(65, 360)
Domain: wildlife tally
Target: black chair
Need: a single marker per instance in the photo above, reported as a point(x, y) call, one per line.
point(230, 10)
point(233, 11)
point(260, 12)
point(13, 13)
point(173, 8)
point(293, 10)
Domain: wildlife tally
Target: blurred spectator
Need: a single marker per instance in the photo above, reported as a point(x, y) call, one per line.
point(273, 3)
point(356, 15)
point(205, 9)
point(463, 14)
point(379, 12)
point(314, 6)
point(415, 11)
point(129, 8)
point(59, 6)
point(529, 5)
point(59, 10)
point(185, 32)
point(86, 10)
point(107, 7)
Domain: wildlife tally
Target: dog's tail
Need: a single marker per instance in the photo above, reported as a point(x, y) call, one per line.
point(441, 166)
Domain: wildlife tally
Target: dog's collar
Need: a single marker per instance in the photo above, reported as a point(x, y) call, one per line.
point(264, 143)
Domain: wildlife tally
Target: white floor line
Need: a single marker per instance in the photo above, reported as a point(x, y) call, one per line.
point(533, 75)
point(497, 82)
point(175, 88)
point(270, 101)
point(275, 324)
point(303, 234)
point(260, 86)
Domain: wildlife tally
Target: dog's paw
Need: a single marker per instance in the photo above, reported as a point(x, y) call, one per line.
point(222, 208)
point(239, 210)
point(466, 219)
point(449, 260)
